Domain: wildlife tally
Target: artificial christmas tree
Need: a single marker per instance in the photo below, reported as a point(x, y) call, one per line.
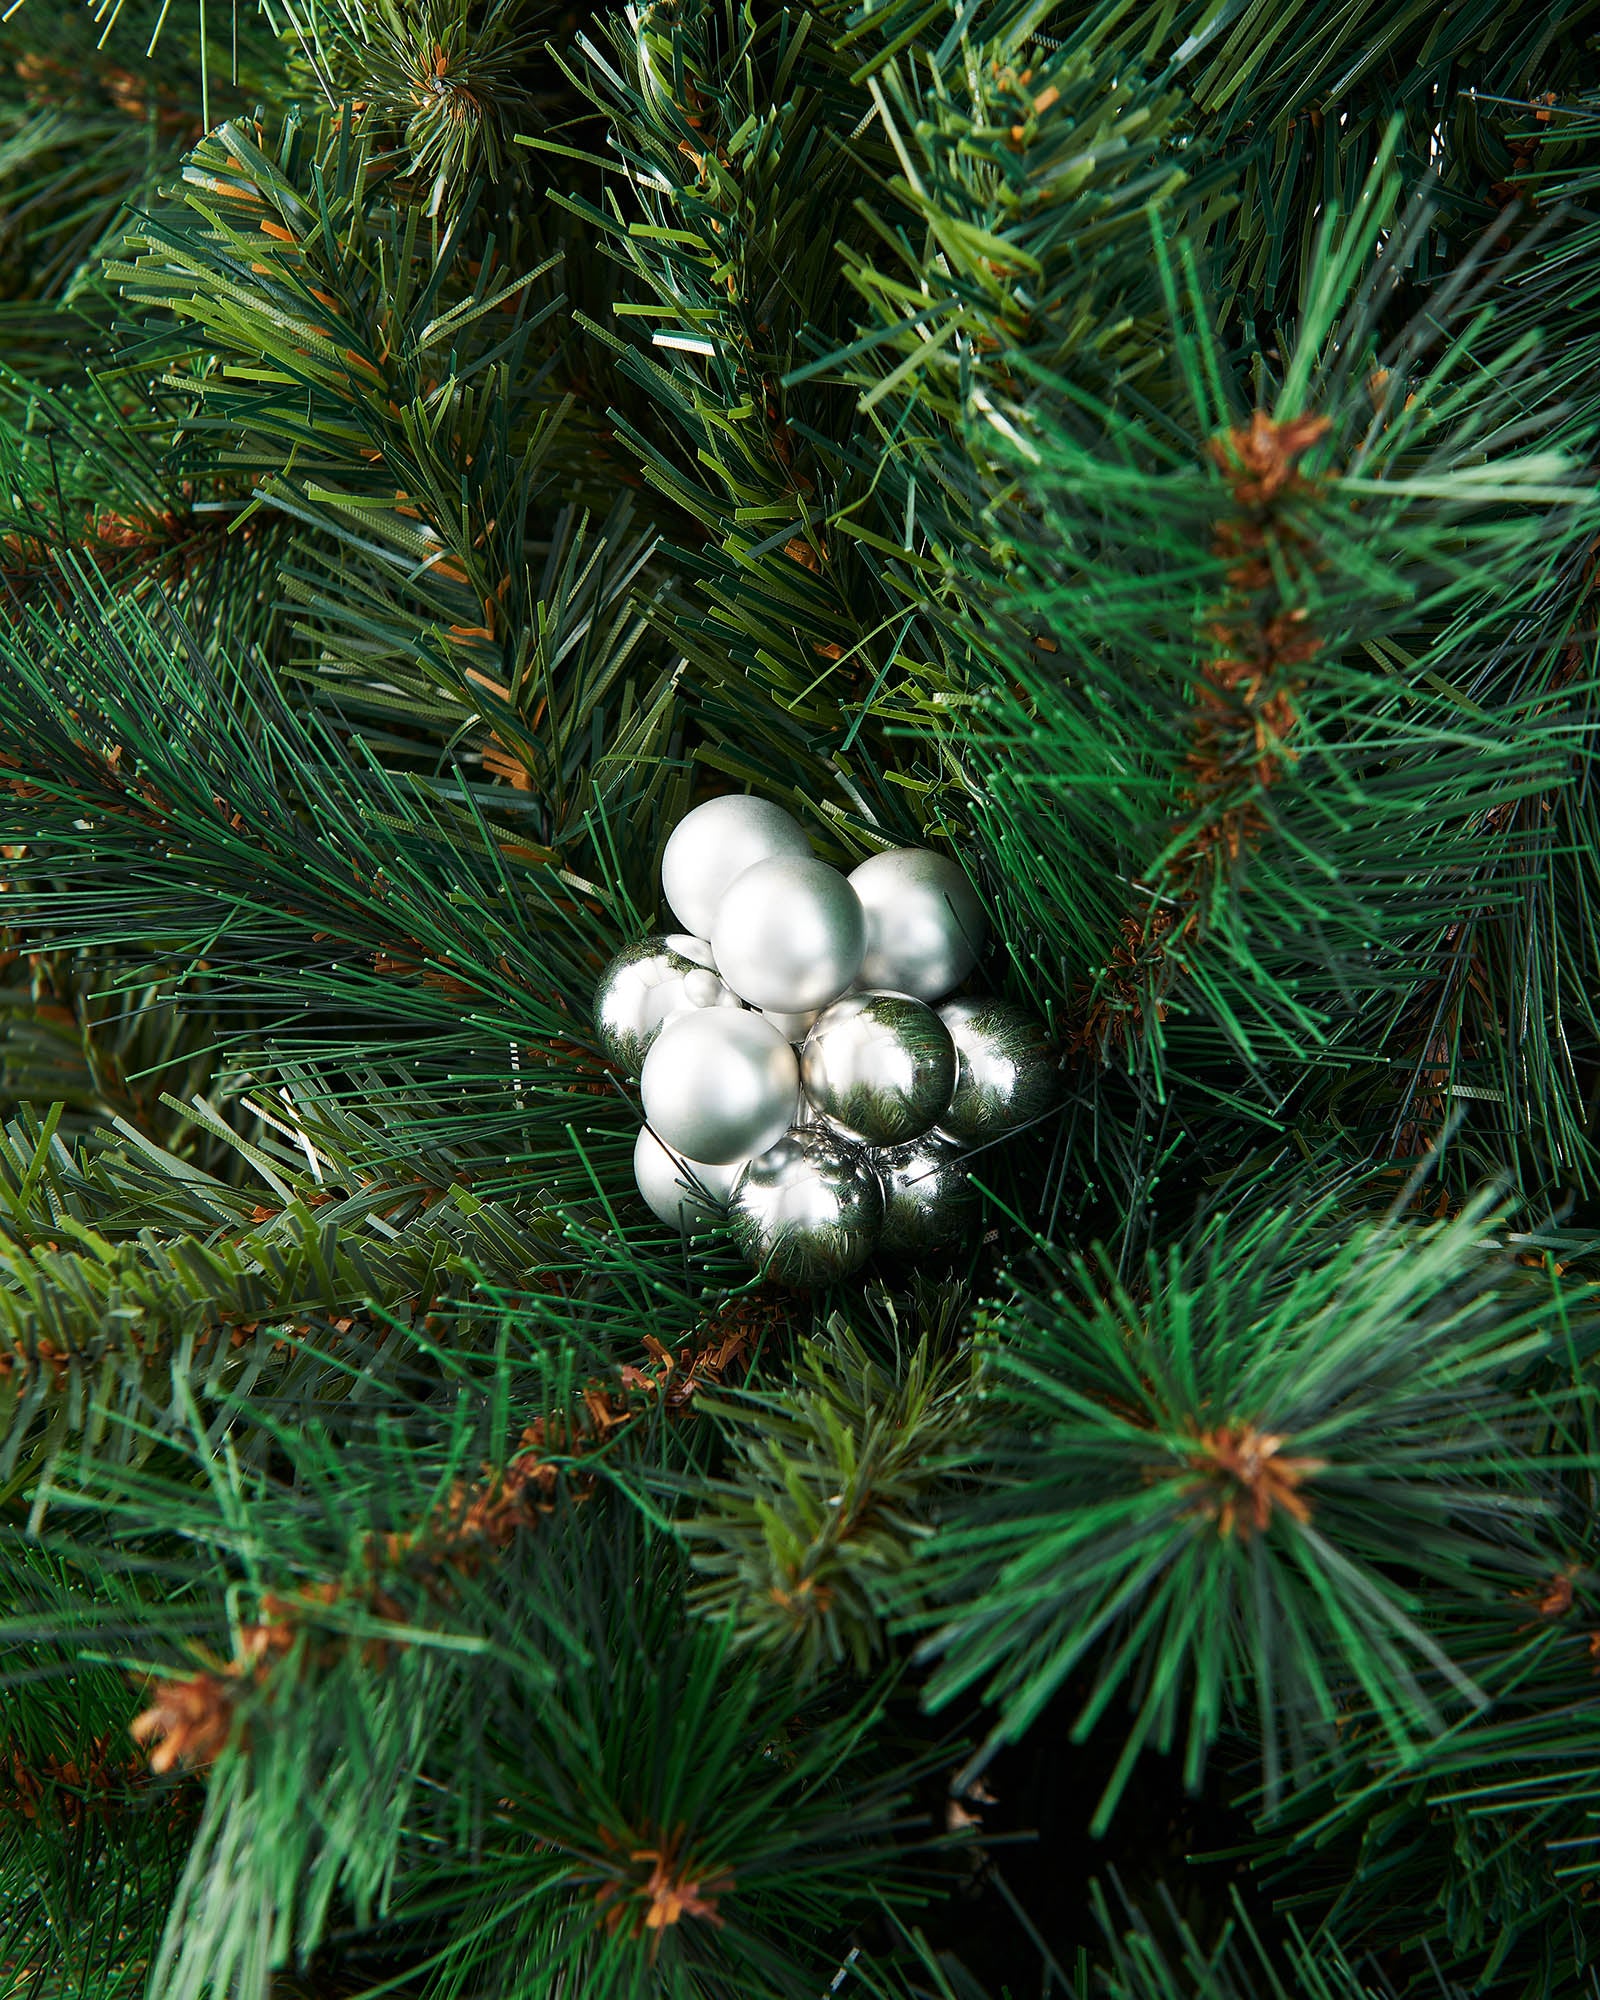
point(1142, 455)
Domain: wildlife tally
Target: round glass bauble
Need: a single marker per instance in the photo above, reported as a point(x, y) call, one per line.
point(1006, 1073)
point(789, 934)
point(881, 1065)
point(925, 925)
point(719, 1086)
point(928, 1195)
point(644, 986)
point(809, 1209)
point(712, 846)
point(684, 1194)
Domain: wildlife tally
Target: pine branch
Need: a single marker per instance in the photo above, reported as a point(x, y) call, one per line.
point(1023, 185)
point(452, 77)
point(374, 365)
point(1479, 1850)
point(88, 121)
point(90, 1843)
point(1242, 1966)
point(262, 868)
point(741, 144)
point(812, 1534)
point(551, 1719)
point(692, 1821)
point(1305, 853)
point(1245, 1493)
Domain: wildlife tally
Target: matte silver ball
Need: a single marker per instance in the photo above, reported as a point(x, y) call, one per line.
point(809, 1210)
point(712, 846)
point(644, 986)
point(718, 1086)
point(925, 925)
point(684, 1194)
point(795, 1027)
point(881, 1065)
point(697, 948)
point(789, 934)
point(1006, 1075)
point(928, 1195)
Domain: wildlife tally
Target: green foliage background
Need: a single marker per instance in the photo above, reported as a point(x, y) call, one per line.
point(1145, 450)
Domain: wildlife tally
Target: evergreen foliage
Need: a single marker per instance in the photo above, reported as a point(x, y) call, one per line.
point(1143, 449)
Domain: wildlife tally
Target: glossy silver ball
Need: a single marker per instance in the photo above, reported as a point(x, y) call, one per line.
point(712, 846)
point(789, 934)
point(881, 1065)
point(1006, 1074)
point(925, 925)
point(808, 1210)
point(719, 1086)
point(684, 1194)
point(928, 1195)
point(644, 986)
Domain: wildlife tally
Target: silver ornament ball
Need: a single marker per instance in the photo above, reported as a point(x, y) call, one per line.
point(684, 1194)
point(719, 1086)
point(712, 846)
point(794, 1027)
point(645, 985)
point(1006, 1074)
point(697, 948)
point(928, 1195)
point(881, 1065)
point(789, 934)
point(925, 925)
point(809, 1210)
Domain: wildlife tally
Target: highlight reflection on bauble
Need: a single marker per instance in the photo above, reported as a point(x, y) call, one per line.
point(645, 985)
point(928, 1195)
point(925, 925)
point(881, 1065)
point(1006, 1074)
point(789, 934)
point(810, 1209)
point(711, 847)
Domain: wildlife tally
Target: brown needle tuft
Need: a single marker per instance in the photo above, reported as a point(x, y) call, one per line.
point(189, 1721)
point(1244, 714)
point(667, 1894)
point(1244, 1477)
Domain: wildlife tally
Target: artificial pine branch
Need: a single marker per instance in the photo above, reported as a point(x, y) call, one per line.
point(1246, 1491)
point(1145, 452)
point(1248, 953)
point(811, 1536)
point(451, 76)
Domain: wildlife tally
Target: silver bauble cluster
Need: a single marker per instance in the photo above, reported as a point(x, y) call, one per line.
point(800, 1078)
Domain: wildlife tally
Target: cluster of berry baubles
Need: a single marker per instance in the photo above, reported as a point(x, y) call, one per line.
point(801, 1078)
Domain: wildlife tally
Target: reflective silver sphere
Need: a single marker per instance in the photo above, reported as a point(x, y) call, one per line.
point(719, 1086)
point(789, 934)
point(928, 1196)
point(712, 846)
point(684, 1194)
point(881, 1065)
point(808, 1210)
point(925, 925)
point(1005, 1070)
point(644, 986)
